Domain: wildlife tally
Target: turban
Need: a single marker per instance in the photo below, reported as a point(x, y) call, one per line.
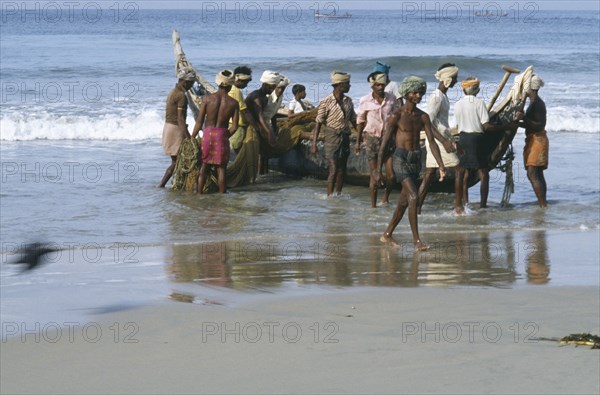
point(243, 77)
point(413, 84)
point(381, 68)
point(470, 85)
point(337, 77)
point(283, 80)
point(187, 74)
point(536, 82)
point(446, 75)
point(270, 77)
point(377, 78)
point(225, 78)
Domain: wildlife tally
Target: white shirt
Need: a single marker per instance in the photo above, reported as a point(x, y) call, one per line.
point(470, 113)
point(295, 106)
point(273, 104)
point(438, 107)
point(393, 88)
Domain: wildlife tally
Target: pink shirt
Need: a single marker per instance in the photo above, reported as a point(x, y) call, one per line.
point(374, 114)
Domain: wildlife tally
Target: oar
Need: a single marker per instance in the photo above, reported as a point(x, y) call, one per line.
point(509, 70)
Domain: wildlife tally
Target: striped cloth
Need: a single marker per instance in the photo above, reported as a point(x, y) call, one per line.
point(333, 115)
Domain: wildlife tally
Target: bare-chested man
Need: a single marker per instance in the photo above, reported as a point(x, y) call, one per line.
point(535, 153)
point(175, 129)
point(215, 112)
point(405, 127)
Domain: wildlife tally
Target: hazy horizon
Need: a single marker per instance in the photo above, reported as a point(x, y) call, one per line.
point(577, 5)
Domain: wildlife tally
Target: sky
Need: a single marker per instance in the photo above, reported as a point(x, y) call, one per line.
point(591, 5)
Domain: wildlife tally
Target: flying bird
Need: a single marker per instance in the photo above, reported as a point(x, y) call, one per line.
point(32, 255)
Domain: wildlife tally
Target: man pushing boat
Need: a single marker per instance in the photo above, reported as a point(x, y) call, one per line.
point(215, 112)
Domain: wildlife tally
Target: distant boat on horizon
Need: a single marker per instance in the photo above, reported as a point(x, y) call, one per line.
point(490, 14)
point(333, 15)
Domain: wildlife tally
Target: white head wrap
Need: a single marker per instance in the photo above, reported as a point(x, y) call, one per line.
point(242, 77)
point(283, 80)
point(536, 82)
point(270, 77)
point(187, 74)
point(378, 78)
point(338, 77)
point(446, 75)
point(225, 78)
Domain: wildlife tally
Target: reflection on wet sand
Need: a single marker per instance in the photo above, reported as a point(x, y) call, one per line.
point(473, 259)
point(538, 269)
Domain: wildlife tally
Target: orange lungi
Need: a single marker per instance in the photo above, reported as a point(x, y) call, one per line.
point(536, 149)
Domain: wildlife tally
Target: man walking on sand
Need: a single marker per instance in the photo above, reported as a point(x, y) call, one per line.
point(405, 126)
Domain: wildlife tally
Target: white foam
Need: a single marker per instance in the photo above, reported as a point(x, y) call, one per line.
point(148, 124)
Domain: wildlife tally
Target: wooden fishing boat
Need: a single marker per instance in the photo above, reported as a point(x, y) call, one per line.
point(299, 161)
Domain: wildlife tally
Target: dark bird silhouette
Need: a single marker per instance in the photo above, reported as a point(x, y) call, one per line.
point(32, 255)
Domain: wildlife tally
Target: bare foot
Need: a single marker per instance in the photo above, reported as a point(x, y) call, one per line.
point(387, 239)
point(420, 246)
point(458, 212)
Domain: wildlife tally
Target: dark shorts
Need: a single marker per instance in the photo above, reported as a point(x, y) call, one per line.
point(408, 164)
point(337, 144)
point(476, 150)
point(373, 144)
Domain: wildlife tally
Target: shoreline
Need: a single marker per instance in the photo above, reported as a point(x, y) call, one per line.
point(273, 267)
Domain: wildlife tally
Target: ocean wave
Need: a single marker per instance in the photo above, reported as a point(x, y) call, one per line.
point(147, 124)
point(573, 119)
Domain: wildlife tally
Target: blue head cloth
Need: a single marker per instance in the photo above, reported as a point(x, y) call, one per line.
point(381, 68)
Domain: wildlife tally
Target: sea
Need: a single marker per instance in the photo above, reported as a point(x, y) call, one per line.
point(83, 89)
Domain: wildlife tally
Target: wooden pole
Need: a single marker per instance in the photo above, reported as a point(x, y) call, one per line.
point(509, 70)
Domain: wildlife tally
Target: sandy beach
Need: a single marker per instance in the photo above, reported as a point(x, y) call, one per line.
point(360, 340)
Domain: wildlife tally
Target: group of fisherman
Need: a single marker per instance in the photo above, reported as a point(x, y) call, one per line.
point(388, 122)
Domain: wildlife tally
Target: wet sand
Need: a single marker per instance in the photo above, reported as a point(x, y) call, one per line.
point(354, 325)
